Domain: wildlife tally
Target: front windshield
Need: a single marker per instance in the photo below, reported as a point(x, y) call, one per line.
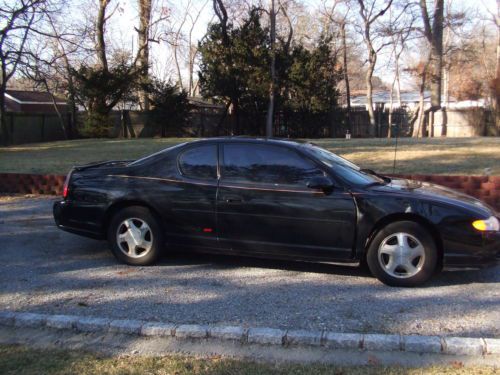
point(343, 167)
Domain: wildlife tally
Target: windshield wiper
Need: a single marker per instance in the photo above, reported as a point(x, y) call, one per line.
point(373, 173)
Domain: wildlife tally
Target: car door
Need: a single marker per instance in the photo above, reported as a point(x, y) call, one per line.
point(191, 199)
point(265, 207)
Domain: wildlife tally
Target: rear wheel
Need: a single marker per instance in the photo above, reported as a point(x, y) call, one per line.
point(402, 254)
point(135, 236)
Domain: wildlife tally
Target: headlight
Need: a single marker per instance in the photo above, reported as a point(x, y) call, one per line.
point(487, 225)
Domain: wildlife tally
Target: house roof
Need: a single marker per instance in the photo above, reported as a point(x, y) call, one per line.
point(203, 103)
point(32, 97)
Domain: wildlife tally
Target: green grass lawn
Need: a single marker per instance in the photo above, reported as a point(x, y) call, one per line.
point(425, 156)
point(21, 360)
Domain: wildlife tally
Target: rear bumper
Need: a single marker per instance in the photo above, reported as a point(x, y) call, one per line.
point(63, 216)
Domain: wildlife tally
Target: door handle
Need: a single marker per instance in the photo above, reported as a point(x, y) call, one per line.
point(233, 199)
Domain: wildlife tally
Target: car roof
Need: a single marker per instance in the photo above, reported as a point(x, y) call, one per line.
point(248, 139)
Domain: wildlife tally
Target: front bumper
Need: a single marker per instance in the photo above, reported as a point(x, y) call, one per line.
point(485, 255)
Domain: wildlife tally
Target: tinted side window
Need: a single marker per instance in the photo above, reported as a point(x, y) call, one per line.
point(266, 164)
point(199, 162)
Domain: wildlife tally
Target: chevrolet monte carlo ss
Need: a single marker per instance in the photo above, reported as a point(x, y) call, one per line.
point(279, 199)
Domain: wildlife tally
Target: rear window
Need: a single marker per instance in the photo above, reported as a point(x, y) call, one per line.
point(149, 157)
point(199, 162)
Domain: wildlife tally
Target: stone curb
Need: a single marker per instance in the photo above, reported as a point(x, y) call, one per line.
point(260, 336)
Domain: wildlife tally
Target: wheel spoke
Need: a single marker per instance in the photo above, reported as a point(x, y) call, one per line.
point(129, 223)
point(416, 252)
point(391, 265)
point(409, 267)
point(388, 249)
point(133, 250)
point(402, 240)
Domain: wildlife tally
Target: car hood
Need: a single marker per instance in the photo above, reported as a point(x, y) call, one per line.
point(429, 191)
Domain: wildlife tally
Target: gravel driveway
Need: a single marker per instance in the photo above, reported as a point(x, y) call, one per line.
point(43, 269)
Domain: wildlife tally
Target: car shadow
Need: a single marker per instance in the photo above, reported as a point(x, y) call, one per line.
point(194, 257)
point(443, 278)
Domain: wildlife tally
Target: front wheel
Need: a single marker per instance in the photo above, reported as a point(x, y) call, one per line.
point(135, 236)
point(402, 254)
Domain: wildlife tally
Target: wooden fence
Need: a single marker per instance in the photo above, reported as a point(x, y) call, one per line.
point(212, 121)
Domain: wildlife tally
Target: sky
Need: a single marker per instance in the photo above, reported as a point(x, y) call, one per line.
point(124, 35)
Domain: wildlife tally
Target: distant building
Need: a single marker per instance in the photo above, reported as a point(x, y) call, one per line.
point(20, 101)
point(409, 99)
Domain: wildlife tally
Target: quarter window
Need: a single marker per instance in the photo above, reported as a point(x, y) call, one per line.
point(199, 162)
point(266, 164)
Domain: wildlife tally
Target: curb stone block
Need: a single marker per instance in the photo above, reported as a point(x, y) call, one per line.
point(422, 344)
point(29, 320)
point(492, 346)
point(7, 318)
point(265, 336)
point(61, 321)
point(131, 327)
point(92, 324)
point(158, 329)
point(228, 333)
point(464, 346)
point(382, 342)
point(192, 331)
point(343, 340)
point(302, 337)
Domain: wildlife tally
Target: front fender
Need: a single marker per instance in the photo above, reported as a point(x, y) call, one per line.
point(450, 226)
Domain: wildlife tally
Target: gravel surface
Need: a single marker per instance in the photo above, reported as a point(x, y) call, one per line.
point(43, 269)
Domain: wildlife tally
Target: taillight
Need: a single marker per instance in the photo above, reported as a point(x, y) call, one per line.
point(66, 185)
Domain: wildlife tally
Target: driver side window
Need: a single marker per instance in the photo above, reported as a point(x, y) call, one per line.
point(266, 164)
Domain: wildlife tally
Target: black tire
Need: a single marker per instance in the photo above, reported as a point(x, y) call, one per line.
point(426, 264)
point(138, 215)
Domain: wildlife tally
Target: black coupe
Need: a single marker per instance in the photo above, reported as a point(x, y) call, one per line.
point(280, 199)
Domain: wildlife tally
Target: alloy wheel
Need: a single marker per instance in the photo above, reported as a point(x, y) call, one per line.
point(401, 255)
point(134, 237)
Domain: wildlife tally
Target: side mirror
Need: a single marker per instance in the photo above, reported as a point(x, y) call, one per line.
point(320, 183)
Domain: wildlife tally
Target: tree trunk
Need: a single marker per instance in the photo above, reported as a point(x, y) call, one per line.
point(435, 36)
point(100, 43)
point(418, 130)
point(346, 78)
point(391, 104)
point(3, 119)
point(437, 56)
point(56, 108)
point(496, 84)
point(372, 59)
point(143, 34)
point(270, 108)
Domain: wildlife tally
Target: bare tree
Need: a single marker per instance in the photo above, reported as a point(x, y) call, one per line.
point(193, 47)
point(400, 31)
point(100, 44)
point(176, 43)
point(496, 85)
point(340, 22)
point(433, 32)
point(370, 12)
point(47, 60)
point(143, 62)
point(18, 19)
